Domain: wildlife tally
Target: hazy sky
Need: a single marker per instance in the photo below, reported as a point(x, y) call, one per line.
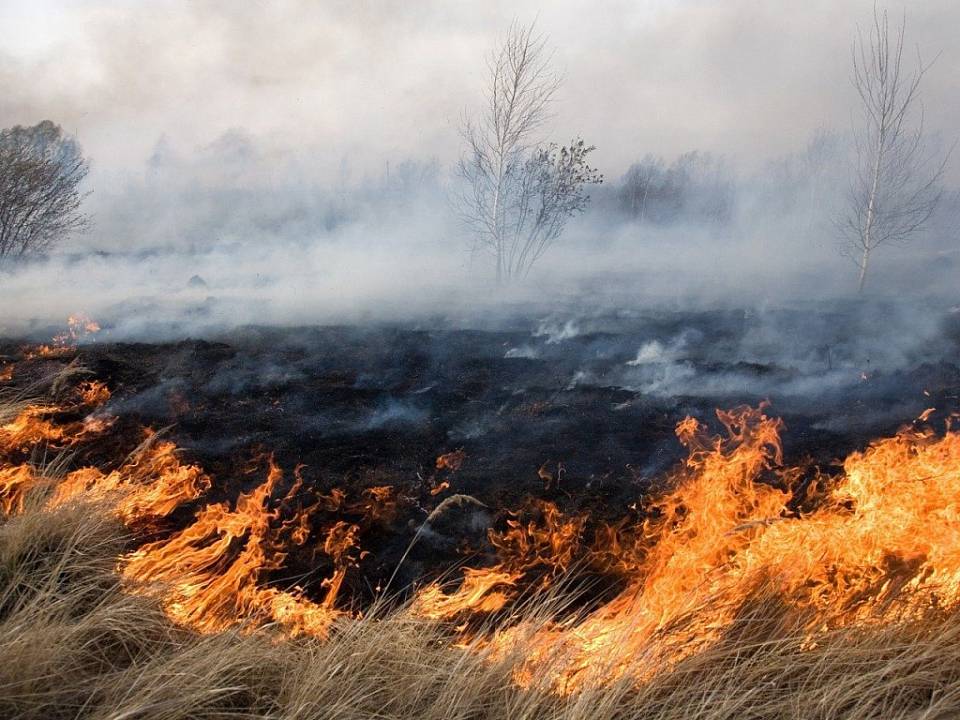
point(369, 81)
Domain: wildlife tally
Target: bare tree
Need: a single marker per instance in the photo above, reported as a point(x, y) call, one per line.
point(895, 187)
point(519, 193)
point(639, 179)
point(41, 170)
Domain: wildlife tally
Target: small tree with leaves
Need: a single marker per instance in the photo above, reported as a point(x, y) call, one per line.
point(895, 185)
point(41, 171)
point(519, 193)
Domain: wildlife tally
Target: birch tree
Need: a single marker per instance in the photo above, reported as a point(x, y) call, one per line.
point(519, 192)
point(895, 186)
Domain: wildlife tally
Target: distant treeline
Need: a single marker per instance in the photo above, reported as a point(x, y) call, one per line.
point(696, 186)
point(801, 192)
point(235, 190)
point(702, 188)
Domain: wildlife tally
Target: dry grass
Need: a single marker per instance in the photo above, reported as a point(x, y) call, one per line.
point(72, 644)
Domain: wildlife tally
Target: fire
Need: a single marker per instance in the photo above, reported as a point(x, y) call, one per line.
point(31, 427)
point(78, 327)
point(93, 393)
point(150, 485)
point(881, 543)
point(40, 424)
point(37, 423)
point(442, 487)
point(539, 550)
point(876, 541)
point(481, 591)
point(451, 461)
point(16, 482)
point(46, 351)
point(210, 575)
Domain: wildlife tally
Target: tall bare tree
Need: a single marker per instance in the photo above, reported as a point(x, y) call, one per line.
point(895, 186)
point(41, 171)
point(518, 192)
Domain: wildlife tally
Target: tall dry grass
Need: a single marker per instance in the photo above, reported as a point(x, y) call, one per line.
point(73, 644)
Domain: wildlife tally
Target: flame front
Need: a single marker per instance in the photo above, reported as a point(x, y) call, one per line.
point(881, 543)
point(209, 575)
point(878, 541)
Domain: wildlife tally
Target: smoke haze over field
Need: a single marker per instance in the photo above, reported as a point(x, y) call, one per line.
point(369, 81)
point(296, 157)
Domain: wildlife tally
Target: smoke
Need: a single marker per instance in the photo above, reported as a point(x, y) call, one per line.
point(555, 333)
point(739, 78)
point(292, 164)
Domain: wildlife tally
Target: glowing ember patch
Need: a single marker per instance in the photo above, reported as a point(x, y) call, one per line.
point(451, 461)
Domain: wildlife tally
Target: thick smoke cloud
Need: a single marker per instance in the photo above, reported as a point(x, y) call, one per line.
point(291, 162)
point(367, 81)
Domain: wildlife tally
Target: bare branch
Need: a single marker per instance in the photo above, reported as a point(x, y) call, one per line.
point(896, 181)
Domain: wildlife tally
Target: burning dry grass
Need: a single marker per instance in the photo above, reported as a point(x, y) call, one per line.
point(732, 604)
point(73, 644)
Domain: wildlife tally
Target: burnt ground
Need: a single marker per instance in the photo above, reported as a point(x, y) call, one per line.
point(594, 396)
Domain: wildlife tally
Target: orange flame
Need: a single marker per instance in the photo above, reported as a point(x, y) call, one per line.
point(16, 482)
point(210, 574)
point(877, 542)
point(881, 543)
point(151, 485)
point(451, 461)
point(36, 423)
point(78, 327)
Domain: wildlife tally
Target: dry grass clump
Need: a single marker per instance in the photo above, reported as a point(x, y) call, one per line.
point(767, 668)
point(72, 644)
